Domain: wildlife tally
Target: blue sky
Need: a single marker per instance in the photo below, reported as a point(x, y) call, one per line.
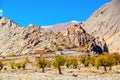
point(48, 12)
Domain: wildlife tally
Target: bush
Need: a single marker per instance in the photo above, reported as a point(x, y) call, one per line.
point(20, 65)
point(17, 65)
point(68, 62)
point(11, 54)
point(71, 62)
point(74, 62)
point(116, 57)
point(23, 65)
point(12, 65)
point(82, 60)
point(25, 60)
point(92, 60)
point(49, 63)
point(58, 62)
point(87, 61)
point(1, 65)
point(105, 61)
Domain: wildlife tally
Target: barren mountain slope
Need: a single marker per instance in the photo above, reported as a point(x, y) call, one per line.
point(22, 40)
point(19, 40)
point(62, 27)
point(105, 23)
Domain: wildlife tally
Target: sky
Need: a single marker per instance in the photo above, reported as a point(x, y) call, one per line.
point(48, 12)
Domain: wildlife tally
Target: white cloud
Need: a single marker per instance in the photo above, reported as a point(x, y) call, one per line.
point(74, 21)
point(1, 12)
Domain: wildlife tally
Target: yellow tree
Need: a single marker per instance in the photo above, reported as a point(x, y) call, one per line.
point(58, 62)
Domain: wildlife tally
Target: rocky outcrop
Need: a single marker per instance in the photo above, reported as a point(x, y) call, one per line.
point(76, 36)
point(21, 40)
point(105, 23)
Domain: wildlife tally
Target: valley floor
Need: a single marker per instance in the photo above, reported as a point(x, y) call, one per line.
point(32, 72)
point(83, 73)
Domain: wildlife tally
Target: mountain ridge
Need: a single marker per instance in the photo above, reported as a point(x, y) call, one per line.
point(22, 40)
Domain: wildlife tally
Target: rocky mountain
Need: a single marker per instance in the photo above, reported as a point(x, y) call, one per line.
point(76, 37)
point(105, 23)
point(22, 40)
point(62, 27)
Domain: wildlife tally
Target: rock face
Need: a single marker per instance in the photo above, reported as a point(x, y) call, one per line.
point(77, 35)
point(105, 23)
point(19, 40)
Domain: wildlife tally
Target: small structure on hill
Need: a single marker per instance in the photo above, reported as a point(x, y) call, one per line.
point(38, 51)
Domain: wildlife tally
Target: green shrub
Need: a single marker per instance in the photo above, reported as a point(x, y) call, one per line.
point(49, 63)
point(105, 61)
point(74, 62)
point(71, 62)
point(58, 62)
point(11, 54)
point(92, 60)
point(116, 57)
point(87, 61)
point(1, 65)
point(17, 65)
point(82, 60)
point(25, 60)
point(12, 65)
point(68, 62)
point(23, 65)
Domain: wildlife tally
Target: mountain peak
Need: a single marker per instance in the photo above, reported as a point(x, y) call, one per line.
point(6, 22)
